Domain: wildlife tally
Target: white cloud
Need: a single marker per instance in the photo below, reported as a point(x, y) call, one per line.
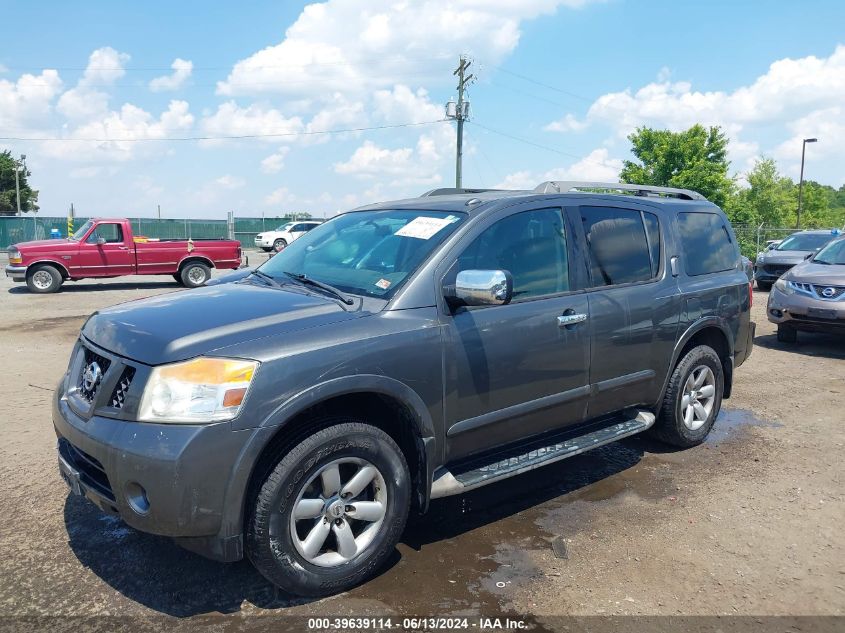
point(255, 119)
point(349, 46)
point(182, 69)
point(403, 105)
point(230, 182)
point(402, 166)
point(567, 124)
point(105, 66)
point(279, 197)
point(122, 128)
point(275, 162)
point(28, 100)
point(828, 125)
point(596, 166)
point(85, 101)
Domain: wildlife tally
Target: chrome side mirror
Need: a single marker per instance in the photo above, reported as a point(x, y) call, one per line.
point(101, 241)
point(483, 287)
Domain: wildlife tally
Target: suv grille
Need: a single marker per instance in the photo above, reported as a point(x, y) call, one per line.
point(837, 291)
point(119, 393)
point(91, 374)
point(776, 269)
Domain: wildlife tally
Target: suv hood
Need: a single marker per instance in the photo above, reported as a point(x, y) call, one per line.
point(783, 257)
point(181, 325)
point(818, 274)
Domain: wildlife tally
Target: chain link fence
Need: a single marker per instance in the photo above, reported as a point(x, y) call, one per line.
point(16, 229)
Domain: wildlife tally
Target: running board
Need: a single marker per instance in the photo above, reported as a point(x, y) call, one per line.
point(446, 484)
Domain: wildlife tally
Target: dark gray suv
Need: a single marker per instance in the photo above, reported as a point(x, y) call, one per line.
point(398, 353)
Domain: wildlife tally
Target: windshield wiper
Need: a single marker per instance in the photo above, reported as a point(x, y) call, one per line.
point(267, 278)
point(300, 277)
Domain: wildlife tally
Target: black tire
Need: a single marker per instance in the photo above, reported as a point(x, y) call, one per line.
point(44, 279)
point(787, 333)
point(670, 427)
point(178, 278)
point(269, 542)
point(279, 245)
point(194, 274)
point(765, 286)
point(266, 249)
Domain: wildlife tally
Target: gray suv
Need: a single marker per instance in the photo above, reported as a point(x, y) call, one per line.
point(399, 353)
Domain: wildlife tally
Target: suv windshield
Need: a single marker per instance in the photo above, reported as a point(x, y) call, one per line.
point(365, 252)
point(804, 242)
point(833, 253)
point(284, 227)
point(81, 231)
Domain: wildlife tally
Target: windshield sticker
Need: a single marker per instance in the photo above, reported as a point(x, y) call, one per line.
point(384, 284)
point(423, 228)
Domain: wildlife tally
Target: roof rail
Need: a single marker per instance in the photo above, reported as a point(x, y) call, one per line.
point(453, 191)
point(562, 186)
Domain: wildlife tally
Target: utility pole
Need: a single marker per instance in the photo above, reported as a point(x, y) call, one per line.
point(158, 206)
point(460, 112)
point(801, 180)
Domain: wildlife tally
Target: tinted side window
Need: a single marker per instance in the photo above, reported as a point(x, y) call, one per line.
point(530, 245)
point(308, 227)
point(616, 239)
point(652, 229)
point(708, 247)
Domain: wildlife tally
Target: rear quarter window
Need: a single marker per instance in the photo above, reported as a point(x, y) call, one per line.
point(707, 242)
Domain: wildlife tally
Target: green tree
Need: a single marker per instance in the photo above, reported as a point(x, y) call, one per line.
point(8, 197)
point(769, 199)
point(695, 159)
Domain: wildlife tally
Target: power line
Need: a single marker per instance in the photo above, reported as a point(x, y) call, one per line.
point(541, 146)
point(220, 138)
point(544, 85)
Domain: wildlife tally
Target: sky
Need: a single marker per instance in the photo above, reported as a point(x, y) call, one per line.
point(272, 107)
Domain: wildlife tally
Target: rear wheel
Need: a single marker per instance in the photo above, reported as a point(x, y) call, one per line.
point(693, 399)
point(44, 279)
point(331, 510)
point(764, 285)
point(787, 333)
point(279, 245)
point(194, 274)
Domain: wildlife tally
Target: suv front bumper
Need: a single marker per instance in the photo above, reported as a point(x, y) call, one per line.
point(804, 312)
point(184, 471)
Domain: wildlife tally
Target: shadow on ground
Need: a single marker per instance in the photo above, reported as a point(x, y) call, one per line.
point(71, 287)
point(155, 572)
point(809, 344)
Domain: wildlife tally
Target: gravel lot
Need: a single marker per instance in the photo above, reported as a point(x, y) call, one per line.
point(748, 523)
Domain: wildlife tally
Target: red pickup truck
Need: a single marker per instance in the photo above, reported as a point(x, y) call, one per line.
point(106, 248)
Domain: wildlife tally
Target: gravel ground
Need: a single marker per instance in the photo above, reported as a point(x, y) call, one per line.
point(748, 523)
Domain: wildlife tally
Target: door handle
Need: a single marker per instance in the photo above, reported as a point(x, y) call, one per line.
point(570, 319)
point(123, 248)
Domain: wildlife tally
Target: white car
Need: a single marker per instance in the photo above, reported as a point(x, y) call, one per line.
point(283, 235)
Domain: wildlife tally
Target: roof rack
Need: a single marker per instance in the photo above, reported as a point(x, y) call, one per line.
point(453, 191)
point(562, 186)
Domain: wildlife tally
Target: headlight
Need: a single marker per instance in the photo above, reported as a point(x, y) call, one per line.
point(196, 391)
point(783, 285)
point(15, 256)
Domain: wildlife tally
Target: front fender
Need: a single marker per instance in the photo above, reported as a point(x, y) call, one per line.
point(259, 437)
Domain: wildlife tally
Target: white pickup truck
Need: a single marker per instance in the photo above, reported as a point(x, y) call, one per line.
point(284, 235)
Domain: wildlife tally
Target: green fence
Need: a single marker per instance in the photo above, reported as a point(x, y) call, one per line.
point(23, 229)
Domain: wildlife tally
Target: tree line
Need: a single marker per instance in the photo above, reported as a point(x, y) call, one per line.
point(697, 159)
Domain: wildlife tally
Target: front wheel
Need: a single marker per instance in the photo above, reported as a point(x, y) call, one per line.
point(787, 333)
point(693, 399)
point(44, 279)
point(331, 511)
point(279, 245)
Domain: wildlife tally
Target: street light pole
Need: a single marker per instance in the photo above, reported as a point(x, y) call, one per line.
point(17, 187)
point(801, 180)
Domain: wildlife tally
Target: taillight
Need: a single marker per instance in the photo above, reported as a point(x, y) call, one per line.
point(750, 295)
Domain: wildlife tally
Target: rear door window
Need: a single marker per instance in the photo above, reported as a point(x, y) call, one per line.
point(621, 250)
point(708, 245)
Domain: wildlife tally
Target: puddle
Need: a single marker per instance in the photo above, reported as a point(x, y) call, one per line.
point(731, 423)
